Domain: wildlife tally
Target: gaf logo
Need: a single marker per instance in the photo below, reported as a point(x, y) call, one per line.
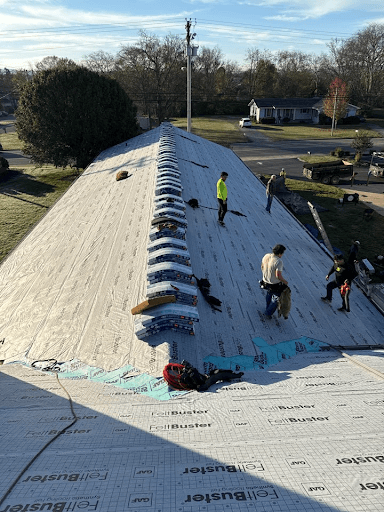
point(297, 463)
point(375, 402)
point(139, 500)
point(144, 472)
point(315, 489)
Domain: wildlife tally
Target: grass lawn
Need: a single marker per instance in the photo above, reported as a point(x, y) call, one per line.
point(343, 224)
point(225, 130)
point(311, 132)
point(221, 130)
point(377, 117)
point(9, 141)
point(25, 196)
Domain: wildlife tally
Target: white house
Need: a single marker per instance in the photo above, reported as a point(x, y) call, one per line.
point(305, 110)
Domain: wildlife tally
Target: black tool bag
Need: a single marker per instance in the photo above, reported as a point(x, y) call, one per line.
point(194, 203)
point(191, 378)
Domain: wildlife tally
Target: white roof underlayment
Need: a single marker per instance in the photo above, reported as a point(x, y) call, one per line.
point(301, 431)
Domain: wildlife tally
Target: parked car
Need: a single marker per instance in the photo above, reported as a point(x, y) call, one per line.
point(245, 122)
point(3, 113)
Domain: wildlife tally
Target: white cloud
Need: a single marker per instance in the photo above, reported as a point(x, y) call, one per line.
point(316, 8)
point(50, 28)
point(40, 13)
point(284, 17)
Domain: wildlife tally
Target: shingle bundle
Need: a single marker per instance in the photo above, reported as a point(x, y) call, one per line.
point(169, 265)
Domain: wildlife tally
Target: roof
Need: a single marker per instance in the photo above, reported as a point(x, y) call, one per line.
point(67, 293)
point(315, 102)
point(74, 299)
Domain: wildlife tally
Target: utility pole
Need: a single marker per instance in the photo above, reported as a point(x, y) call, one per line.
point(191, 52)
point(334, 112)
point(189, 78)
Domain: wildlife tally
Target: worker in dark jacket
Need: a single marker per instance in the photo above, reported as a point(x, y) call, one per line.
point(270, 191)
point(353, 251)
point(342, 272)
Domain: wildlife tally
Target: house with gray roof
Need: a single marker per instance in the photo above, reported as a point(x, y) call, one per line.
point(298, 110)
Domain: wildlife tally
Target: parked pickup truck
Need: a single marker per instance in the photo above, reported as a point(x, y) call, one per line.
point(377, 170)
point(328, 172)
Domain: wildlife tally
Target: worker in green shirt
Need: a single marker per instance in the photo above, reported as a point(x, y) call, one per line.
point(222, 194)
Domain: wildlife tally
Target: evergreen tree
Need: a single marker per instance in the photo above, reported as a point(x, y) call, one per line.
point(361, 143)
point(68, 114)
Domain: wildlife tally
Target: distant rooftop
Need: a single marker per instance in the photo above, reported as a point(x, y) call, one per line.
point(315, 102)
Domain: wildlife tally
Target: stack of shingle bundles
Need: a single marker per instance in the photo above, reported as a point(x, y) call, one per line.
point(168, 173)
point(156, 233)
point(169, 254)
point(167, 211)
point(168, 187)
point(164, 242)
point(177, 221)
point(170, 271)
point(169, 265)
point(169, 200)
point(178, 317)
point(184, 293)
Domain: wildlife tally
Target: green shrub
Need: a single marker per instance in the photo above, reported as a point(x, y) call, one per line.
point(339, 152)
point(267, 120)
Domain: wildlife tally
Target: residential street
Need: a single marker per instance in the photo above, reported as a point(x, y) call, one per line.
point(15, 157)
point(265, 156)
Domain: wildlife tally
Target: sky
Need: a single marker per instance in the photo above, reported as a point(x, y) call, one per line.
point(33, 29)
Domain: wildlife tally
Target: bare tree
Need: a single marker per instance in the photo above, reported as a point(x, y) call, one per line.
point(52, 62)
point(100, 62)
point(228, 80)
point(260, 66)
point(150, 71)
point(360, 62)
point(295, 77)
point(322, 75)
point(207, 66)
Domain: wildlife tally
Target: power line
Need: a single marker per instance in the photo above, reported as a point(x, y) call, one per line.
point(163, 23)
point(93, 27)
point(272, 29)
point(294, 35)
